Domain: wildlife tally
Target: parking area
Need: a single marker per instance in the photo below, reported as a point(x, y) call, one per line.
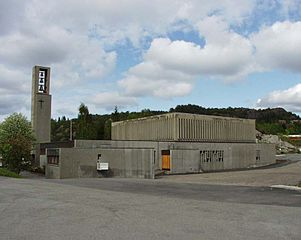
point(225, 205)
point(115, 208)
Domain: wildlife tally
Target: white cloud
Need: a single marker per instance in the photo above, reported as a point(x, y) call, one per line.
point(225, 53)
point(74, 58)
point(108, 100)
point(25, 50)
point(14, 92)
point(170, 68)
point(290, 6)
point(290, 99)
point(279, 46)
point(86, 61)
point(13, 81)
point(57, 47)
point(73, 37)
point(11, 15)
point(150, 79)
point(9, 103)
point(115, 21)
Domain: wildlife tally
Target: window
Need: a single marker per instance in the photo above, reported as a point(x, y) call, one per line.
point(257, 155)
point(212, 156)
point(53, 156)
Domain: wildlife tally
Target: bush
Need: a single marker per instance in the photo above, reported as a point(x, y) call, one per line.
point(6, 173)
point(16, 139)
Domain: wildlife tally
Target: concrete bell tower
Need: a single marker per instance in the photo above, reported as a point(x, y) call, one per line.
point(41, 107)
point(41, 104)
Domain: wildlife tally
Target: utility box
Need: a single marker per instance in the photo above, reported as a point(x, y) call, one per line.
point(100, 166)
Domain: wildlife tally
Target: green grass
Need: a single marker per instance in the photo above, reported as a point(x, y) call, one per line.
point(6, 173)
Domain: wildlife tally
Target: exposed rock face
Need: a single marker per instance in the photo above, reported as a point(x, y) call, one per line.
point(281, 146)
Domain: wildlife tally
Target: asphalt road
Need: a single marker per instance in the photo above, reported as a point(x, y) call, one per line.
point(285, 173)
point(147, 209)
point(203, 192)
point(290, 157)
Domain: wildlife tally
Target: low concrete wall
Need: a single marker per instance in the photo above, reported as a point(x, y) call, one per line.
point(138, 163)
point(81, 163)
point(43, 161)
point(141, 159)
point(185, 161)
point(52, 171)
point(186, 157)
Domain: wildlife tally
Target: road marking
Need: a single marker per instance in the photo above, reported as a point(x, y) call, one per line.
point(294, 188)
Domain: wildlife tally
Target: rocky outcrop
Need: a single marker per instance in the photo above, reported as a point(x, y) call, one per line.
point(281, 146)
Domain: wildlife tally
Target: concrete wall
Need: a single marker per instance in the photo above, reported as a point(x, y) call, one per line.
point(185, 127)
point(187, 158)
point(43, 161)
point(81, 163)
point(52, 171)
point(144, 158)
point(138, 163)
point(114, 144)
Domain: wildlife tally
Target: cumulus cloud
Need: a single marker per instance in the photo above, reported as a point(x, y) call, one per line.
point(115, 21)
point(73, 37)
point(170, 68)
point(9, 103)
point(278, 46)
point(151, 79)
point(290, 6)
point(13, 81)
point(34, 39)
point(289, 99)
point(225, 53)
point(58, 47)
point(11, 14)
point(108, 100)
point(23, 50)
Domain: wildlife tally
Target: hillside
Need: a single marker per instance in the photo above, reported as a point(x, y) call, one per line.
point(269, 115)
point(268, 121)
point(94, 126)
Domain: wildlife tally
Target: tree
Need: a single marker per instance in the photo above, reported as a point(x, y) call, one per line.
point(85, 127)
point(107, 129)
point(16, 139)
point(115, 115)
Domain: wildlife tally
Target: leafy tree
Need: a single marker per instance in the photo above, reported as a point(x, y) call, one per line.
point(60, 130)
point(16, 139)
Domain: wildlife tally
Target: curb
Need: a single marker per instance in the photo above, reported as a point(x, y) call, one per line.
point(293, 188)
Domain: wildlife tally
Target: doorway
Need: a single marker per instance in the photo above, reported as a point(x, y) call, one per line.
point(165, 160)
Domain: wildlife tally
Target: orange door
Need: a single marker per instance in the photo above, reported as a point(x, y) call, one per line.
point(165, 160)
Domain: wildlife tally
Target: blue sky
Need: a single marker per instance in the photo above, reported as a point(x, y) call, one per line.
point(138, 54)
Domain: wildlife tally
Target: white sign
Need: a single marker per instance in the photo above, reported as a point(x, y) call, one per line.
point(42, 81)
point(102, 166)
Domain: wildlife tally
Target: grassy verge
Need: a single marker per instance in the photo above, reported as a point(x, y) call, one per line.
point(6, 173)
